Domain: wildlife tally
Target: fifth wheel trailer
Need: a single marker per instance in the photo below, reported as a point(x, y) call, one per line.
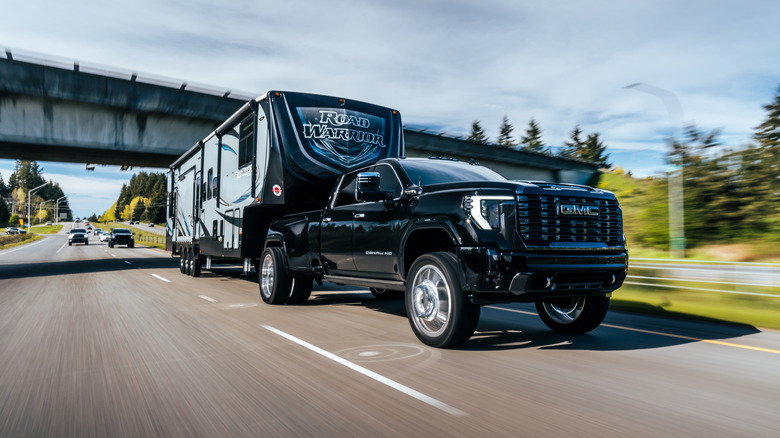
point(280, 153)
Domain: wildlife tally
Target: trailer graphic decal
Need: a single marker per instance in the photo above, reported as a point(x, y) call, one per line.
point(343, 136)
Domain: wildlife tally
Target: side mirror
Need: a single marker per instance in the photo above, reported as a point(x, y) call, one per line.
point(367, 188)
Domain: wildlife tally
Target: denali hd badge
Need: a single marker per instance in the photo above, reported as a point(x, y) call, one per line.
point(578, 210)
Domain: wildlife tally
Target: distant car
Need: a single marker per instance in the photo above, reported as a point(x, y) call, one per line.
point(121, 236)
point(78, 235)
point(98, 231)
point(104, 236)
point(15, 230)
point(151, 224)
point(48, 222)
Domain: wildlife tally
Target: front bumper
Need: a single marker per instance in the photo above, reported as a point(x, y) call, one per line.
point(500, 276)
point(78, 239)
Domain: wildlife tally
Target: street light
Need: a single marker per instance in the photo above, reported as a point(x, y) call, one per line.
point(675, 179)
point(29, 194)
point(57, 210)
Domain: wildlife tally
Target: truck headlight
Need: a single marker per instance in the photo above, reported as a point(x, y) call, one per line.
point(485, 210)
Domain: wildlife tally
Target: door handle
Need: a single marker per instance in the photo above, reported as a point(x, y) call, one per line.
point(359, 215)
point(326, 219)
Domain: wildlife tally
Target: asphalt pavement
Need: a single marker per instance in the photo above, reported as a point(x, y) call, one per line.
point(100, 341)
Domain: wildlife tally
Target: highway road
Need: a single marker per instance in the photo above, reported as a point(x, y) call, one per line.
point(116, 342)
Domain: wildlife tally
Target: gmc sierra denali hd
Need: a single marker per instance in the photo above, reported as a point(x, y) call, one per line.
point(450, 237)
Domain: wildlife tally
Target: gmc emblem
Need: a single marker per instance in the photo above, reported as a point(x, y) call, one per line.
point(578, 210)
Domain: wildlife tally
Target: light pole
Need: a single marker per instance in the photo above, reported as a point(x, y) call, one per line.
point(675, 170)
point(29, 194)
point(57, 211)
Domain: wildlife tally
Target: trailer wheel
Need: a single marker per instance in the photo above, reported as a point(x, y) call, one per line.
point(438, 310)
point(197, 265)
point(301, 290)
point(386, 294)
point(274, 281)
point(188, 267)
point(573, 315)
point(182, 260)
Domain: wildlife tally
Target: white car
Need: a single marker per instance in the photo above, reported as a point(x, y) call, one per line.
point(104, 236)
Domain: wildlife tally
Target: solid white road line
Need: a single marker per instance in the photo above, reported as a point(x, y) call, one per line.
point(209, 299)
point(368, 373)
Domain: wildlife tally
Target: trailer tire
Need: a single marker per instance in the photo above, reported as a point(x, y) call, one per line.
point(437, 308)
point(182, 260)
point(275, 282)
point(197, 265)
point(301, 290)
point(575, 315)
point(188, 267)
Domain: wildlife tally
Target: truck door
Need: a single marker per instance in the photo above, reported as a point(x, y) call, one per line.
point(336, 229)
point(377, 230)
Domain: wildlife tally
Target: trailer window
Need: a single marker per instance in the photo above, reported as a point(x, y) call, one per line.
point(210, 183)
point(245, 140)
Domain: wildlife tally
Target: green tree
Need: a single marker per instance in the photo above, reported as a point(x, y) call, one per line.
point(477, 133)
point(5, 189)
point(573, 147)
point(768, 132)
point(505, 138)
point(5, 211)
point(594, 151)
point(532, 140)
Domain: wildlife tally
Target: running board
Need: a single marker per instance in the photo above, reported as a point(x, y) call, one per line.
point(366, 282)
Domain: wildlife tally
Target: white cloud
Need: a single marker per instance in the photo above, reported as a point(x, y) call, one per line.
point(447, 63)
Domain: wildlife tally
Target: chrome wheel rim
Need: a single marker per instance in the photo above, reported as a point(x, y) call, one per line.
point(431, 303)
point(564, 311)
point(267, 276)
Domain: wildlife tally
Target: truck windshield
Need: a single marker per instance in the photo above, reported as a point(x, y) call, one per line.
point(428, 172)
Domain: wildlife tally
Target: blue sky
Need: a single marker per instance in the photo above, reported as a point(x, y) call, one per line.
point(443, 64)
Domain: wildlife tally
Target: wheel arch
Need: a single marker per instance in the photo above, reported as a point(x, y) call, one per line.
point(425, 238)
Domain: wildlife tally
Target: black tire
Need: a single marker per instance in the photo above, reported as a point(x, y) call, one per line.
point(386, 294)
point(182, 260)
point(188, 266)
point(110, 244)
point(197, 265)
point(86, 243)
point(438, 310)
point(275, 282)
point(70, 243)
point(131, 245)
point(301, 290)
point(573, 315)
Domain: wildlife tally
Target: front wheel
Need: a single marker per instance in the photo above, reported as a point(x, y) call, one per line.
point(573, 315)
point(438, 310)
point(275, 282)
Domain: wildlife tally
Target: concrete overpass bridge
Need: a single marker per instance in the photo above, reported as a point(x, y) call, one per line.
point(55, 111)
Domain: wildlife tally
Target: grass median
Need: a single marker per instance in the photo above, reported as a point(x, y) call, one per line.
point(681, 301)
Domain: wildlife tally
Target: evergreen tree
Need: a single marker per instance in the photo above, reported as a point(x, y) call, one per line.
point(532, 140)
point(5, 211)
point(27, 175)
point(477, 133)
point(573, 147)
point(5, 190)
point(505, 134)
point(768, 133)
point(594, 151)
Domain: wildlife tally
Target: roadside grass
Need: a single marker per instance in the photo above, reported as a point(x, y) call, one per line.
point(46, 229)
point(17, 240)
point(681, 302)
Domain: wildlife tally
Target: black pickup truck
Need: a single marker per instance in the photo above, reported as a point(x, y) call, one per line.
point(450, 237)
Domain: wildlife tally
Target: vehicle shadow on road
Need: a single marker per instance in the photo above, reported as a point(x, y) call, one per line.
point(621, 331)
